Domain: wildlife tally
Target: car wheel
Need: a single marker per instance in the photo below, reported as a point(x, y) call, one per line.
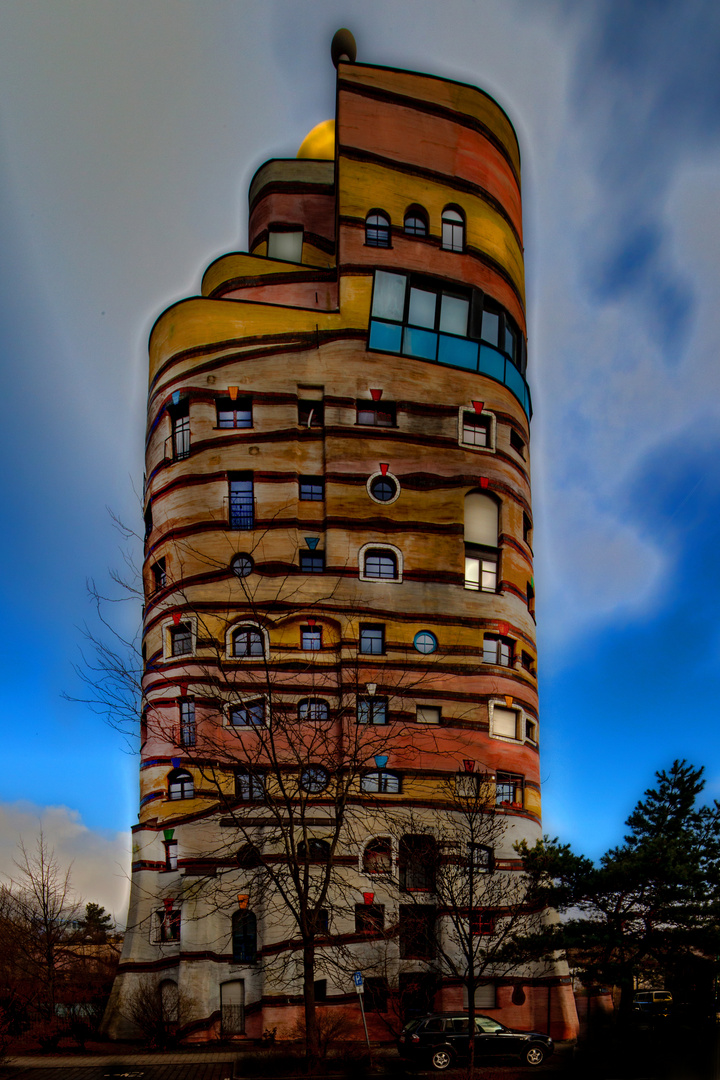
point(441, 1059)
point(534, 1055)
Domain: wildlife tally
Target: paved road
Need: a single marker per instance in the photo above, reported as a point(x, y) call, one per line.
point(110, 1069)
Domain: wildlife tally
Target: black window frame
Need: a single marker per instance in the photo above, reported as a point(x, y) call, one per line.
point(233, 409)
point(370, 633)
point(308, 488)
point(369, 919)
point(311, 413)
point(241, 502)
point(244, 936)
point(180, 427)
point(307, 706)
point(311, 638)
point(252, 635)
point(501, 641)
point(385, 780)
point(181, 633)
point(312, 562)
point(254, 708)
point(504, 782)
point(250, 785)
point(378, 229)
point(384, 557)
point(159, 571)
point(416, 931)
point(188, 728)
point(477, 422)
point(383, 414)
point(372, 709)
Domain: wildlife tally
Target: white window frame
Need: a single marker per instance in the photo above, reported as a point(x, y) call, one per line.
point(383, 476)
point(168, 626)
point(245, 623)
point(492, 444)
point(381, 547)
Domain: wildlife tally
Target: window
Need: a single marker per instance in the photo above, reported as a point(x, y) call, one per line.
point(369, 918)
point(180, 785)
point(373, 414)
point(497, 650)
point(242, 502)
point(508, 789)
point(313, 709)
point(376, 995)
point(482, 923)
point(530, 730)
point(159, 574)
point(249, 786)
point(311, 414)
point(323, 921)
point(320, 989)
point(181, 643)
point(180, 417)
point(417, 932)
point(463, 328)
point(248, 857)
point(234, 414)
point(415, 223)
point(483, 859)
point(380, 782)
point(516, 442)
point(453, 231)
point(312, 488)
point(244, 937)
point(248, 641)
point(469, 785)
point(171, 854)
point(168, 925)
point(485, 998)
point(475, 429)
point(314, 849)
point(527, 662)
point(372, 710)
point(285, 244)
point(380, 563)
point(427, 714)
point(187, 723)
point(480, 570)
point(425, 642)
point(530, 593)
point(377, 856)
point(242, 565)
point(505, 722)
point(314, 779)
point(377, 230)
point(248, 714)
point(312, 562)
point(417, 857)
point(527, 530)
point(311, 637)
point(148, 518)
point(383, 489)
point(372, 639)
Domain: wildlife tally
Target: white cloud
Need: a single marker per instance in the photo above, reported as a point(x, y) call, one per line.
point(99, 862)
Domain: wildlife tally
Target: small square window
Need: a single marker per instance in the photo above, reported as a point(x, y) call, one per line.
point(248, 714)
point(497, 650)
point(372, 710)
point(311, 414)
point(312, 562)
point(527, 662)
point(373, 414)
point(181, 639)
point(482, 923)
point(427, 714)
point(475, 429)
point(312, 488)
point(372, 639)
point(530, 730)
point(369, 918)
point(249, 787)
point(517, 443)
point(311, 637)
point(159, 574)
point(234, 414)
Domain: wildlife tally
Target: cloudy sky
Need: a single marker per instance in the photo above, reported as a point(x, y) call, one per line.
point(128, 135)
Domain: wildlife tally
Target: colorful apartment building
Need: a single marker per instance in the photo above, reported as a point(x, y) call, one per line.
point(339, 628)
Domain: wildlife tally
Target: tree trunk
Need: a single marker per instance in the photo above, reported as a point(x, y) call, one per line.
point(312, 1042)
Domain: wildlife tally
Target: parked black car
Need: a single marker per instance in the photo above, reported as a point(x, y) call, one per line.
point(442, 1038)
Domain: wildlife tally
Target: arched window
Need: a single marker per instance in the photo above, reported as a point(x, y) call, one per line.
point(453, 230)
point(244, 937)
point(377, 230)
point(380, 782)
point(314, 849)
point(377, 856)
point(180, 785)
point(418, 855)
point(416, 222)
point(247, 641)
point(381, 563)
point(482, 524)
point(313, 709)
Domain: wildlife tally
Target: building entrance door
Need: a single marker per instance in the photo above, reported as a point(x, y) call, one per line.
point(232, 1008)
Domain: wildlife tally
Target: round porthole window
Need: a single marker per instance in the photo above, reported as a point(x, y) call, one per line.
point(425, 642)
point(314, 779)
point(242, 565)
point(383, 489)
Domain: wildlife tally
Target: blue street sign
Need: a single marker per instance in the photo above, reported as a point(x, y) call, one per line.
point(357, 978)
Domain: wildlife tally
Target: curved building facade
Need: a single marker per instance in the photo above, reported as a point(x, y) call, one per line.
point(339, 630)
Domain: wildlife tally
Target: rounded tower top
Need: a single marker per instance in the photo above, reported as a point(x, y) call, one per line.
point(343, 47)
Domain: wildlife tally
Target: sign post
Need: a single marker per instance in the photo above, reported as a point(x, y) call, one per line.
point(360, 990)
